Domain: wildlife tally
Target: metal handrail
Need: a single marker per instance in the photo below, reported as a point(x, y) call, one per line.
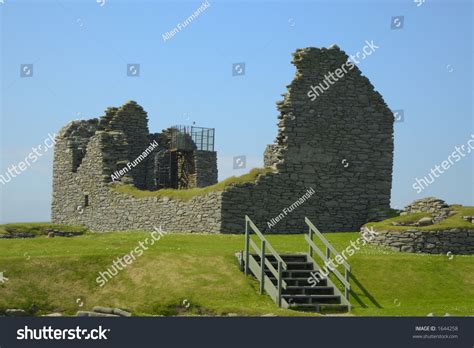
point(265, 283)
point(326, 257)
point(250, 223)
point(322, 256)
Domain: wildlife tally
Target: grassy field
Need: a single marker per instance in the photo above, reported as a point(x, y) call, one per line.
point(59, 274)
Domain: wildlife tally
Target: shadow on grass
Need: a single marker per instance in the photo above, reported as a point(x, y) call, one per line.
point(365, 292)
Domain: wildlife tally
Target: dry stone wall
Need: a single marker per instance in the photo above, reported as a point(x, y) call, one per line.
point(455, 241)
point(438, 208)
point(340, 145)
point(131, 120)
point(88, 153)
point(108, 210)
point(205, 163)
point(271, 156)
point(431, 240)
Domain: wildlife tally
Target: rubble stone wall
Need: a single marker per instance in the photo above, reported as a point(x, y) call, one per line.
point(454, 241)
point(205, 163)
point(340, 145)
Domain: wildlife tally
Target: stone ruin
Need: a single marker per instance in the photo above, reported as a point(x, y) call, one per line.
point(422, 237)
point(437, 208)
point(427, 205)
point(131, 155)
point(339, 147)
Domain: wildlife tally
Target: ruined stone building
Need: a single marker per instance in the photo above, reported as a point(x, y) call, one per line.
point(338, 146)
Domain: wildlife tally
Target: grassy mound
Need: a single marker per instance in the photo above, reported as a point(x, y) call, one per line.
point(452, 222)
point(195, 274)
point(36, 229)
point(187, 194)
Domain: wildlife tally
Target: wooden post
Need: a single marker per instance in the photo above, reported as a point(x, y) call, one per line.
point(241, 258)
point(262, 266)
point(247, 246)
point(279, 283)
point(328, 253)
point(347, 289)
point(310, 252)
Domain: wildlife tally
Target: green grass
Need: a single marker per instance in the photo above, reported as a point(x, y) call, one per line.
point(187, 194)
point(58, 274)
point(452, 222)
point(38, 228)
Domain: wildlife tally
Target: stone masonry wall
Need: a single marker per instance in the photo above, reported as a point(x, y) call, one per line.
point(271, 156)
point(205, 163)
point(340, 144)
point(456, 241)
point(131, 120)
point(109, 210)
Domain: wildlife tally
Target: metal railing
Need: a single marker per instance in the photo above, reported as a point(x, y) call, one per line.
point(189, 138)
point(258, 268)
point(326, 257)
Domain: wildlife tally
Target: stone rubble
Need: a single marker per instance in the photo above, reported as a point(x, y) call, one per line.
point(13, 312)
point(437, 207)
point(99, 311)
point(453, 240)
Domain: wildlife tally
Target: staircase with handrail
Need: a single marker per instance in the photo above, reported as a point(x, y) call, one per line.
point(296, 281)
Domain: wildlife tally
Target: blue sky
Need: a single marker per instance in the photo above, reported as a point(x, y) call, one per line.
point(80, 51)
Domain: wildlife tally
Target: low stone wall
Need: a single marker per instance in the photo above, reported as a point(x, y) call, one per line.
point(456, 241)
point(114, 211)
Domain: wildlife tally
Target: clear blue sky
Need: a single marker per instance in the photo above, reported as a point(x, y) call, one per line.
point(80, 51)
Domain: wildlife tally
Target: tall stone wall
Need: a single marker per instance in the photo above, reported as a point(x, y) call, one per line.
point(271, 156)
point(131, 120)
point(340, 144)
